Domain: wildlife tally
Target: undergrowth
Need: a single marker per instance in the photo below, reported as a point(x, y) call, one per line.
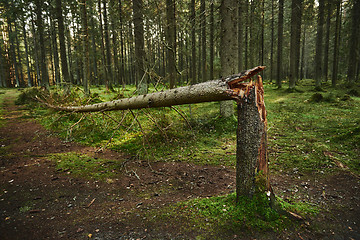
point(303, 133)
point(214, 216)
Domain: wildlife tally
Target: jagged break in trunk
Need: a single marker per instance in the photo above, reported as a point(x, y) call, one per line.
point(252, 160)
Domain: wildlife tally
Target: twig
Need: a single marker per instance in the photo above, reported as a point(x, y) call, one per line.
point(183, 116)
point(137, 176)
point(155, 122)
point(92, 201)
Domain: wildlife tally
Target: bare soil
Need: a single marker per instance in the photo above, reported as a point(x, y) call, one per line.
point(37, 201)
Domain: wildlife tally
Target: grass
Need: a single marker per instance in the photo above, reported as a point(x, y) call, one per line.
point(303, 133)
point(214, 216)
point(81, 165)
point(307, 130)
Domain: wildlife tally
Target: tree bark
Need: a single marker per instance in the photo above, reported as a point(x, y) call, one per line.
point(212, 46)
point(55, 52)
point(280, 43)
point(327, 41)
point(319, 40)
point(140, 75)
point(63, 55)
point(354, 42)
point(216, 90)
point(203, 40)
point(193, 42)
point(13, 54)
point(22, 82)
point(296, 7)
point(272, 42)
point(171, 42)
point(86, 60)
point(107, 47)
point(336, 44)
point(27, 56)
point(228, 54)
point(251, 153)
point(44, 71)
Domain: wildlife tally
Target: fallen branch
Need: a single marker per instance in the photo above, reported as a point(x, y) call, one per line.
point(228, 88)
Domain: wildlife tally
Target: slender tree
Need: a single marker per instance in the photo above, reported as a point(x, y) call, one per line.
point(319, 41)
point(107, 47)
point(296, 7)
point(203, 40)
point(272, 41)
point(85, 35)
point(280, 43)
point(13, 53)
point(193, 41)
point(171, 42)
point(212, 46)
point(140, 73)
point(327, 40)
point(354, 42)
point(63, 56)
point(336, 44)
point(229, 51)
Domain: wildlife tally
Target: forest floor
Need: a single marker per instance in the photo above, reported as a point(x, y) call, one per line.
point(40, 201)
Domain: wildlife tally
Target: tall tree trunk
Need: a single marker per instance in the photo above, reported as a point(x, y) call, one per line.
point(272, 42)
point(107, 47)
point(13, 53)
point(336, 44)
point(296, 7)
point(280, 43)
point(22, 82)
point(44, 70)
point(354, 42)
point(228, 45)
point(55, 52)
point(193, 41)
point(30, 82)
point(36, 54)
point(203, 39)
point(241, 16)
point(212, 46)
point(302, 61)
point(122, 50)
point(114, 30)
point(171, 42)
point(2, 65)
point(63, 56)
point(262, 53)
point(141, 79)
point(86, 60)
point(246, 43)
point(94, 79)
point(319, 41)
point(327, 40)
point(105, 78)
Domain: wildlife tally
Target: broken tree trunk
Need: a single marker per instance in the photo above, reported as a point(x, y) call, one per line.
point(251, 151)
point(252, 161)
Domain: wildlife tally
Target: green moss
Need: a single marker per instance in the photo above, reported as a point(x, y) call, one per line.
point(212, 216)
point(84, 166)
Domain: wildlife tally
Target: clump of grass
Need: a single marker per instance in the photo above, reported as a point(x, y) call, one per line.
point(220, 214)
point(81, 165)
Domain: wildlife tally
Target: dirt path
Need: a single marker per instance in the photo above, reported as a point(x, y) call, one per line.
point(39, 202)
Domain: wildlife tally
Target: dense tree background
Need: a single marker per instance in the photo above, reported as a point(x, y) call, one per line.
point(118, 42)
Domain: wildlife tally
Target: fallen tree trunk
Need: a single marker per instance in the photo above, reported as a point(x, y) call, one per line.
point(216, 90)
point(251, 153)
